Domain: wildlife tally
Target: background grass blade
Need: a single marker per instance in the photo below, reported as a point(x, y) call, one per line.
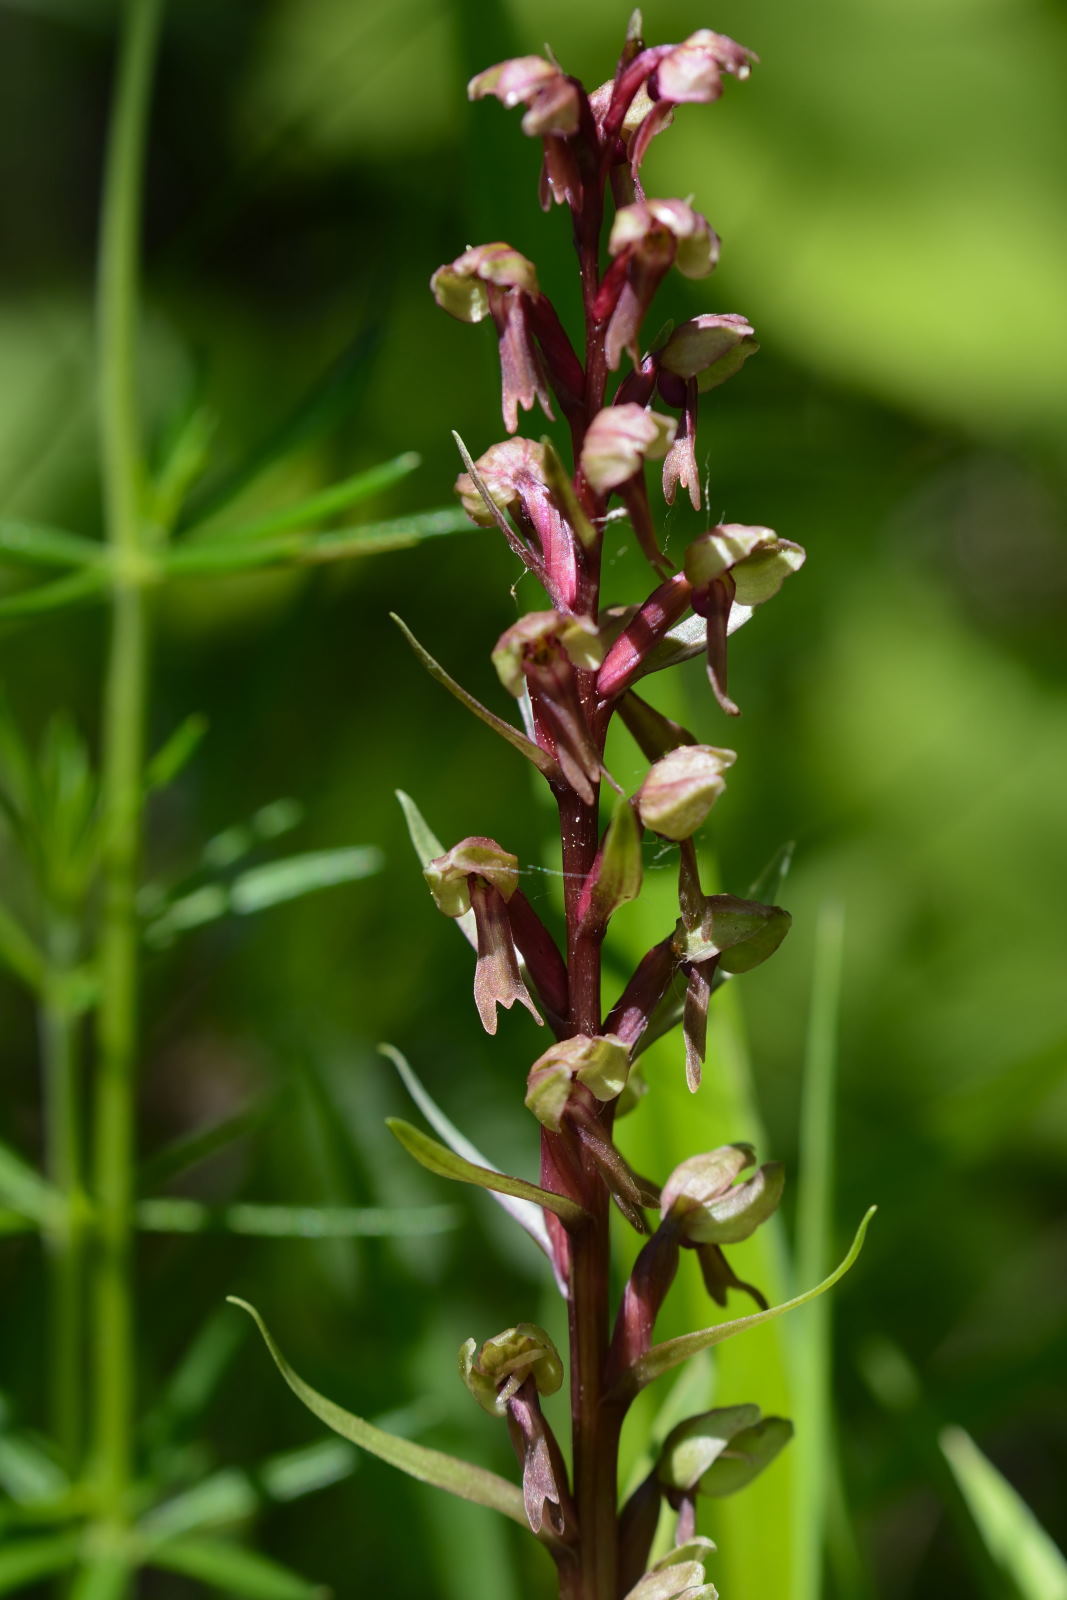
point(26, 1561)
point(174, 1214)
point(1008, 1528)
point(316, 507)
point(233, 1569)
point(811, 1335)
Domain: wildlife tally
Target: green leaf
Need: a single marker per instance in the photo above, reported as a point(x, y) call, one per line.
point(174, 1214)
point(527, 1214)
point(812, 1339)
point(541, 759)
point(28, 1474)
point(233, 1569)
point(90, 584)
point(315, 507)
point(195, 1379)
point(276, 882)
point(217, 557)
point(26, 1561)
point(442, 1161)
point(184, 460)
point(176, 752)
point(1008, 1528)
point(428, 1466)
point(23, 1188)
point(662, 1357)
point(618, 871)
point(30, 544)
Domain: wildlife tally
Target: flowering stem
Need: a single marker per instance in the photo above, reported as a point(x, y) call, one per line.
point(123, 761)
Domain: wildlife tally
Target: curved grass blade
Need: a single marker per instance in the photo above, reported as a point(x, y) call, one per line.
point(1008, 1528)
point(437, 1158)
point(192, 1148)
point(174, 1214)
point(533, 752)
point(233, 1569)
point(26, 1561)
point(524, 1212)
point(418, 1461)
point(31, 544)
point(662, 1357)
point(278, 881)
point(314, 507)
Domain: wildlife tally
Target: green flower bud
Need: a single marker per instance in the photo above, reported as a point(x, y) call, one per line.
point(619, 440)
point(709, 348)
point(461, 286)
point(681, 789)
point(494, 1372)
point(702, 1196)
point(447, 875)
point(690, 1448)
point(602, 1064)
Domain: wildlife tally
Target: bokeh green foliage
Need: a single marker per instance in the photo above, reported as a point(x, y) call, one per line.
point(887, 188)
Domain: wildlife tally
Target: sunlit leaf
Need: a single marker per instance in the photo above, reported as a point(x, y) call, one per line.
point(28, 1474)
point(377, 538)
point(662, 1357)
point(1008, 1528)
point(232, 1569)
point(30, 544)
point(429, 1466)
point(524, 1212)
point(541, 759)
point(437, 1158)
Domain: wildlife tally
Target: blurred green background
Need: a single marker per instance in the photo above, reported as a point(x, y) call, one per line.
point(888, 188)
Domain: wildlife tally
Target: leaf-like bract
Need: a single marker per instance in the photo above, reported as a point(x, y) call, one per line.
point(445, 1163)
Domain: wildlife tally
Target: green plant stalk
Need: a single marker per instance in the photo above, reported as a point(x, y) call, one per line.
point(122, 762)
point(65, 1238)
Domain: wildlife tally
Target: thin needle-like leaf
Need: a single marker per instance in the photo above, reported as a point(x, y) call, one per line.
point(541, 759)
point(89, 584)
point(232, 1569)
point(524, 1212)
point(26, 1561)
point(29, 544)
point(23, 1188)
point(314, 507)
point(437, 1158)
point(662, 1357)
point(418, 1461)
point(19, 953)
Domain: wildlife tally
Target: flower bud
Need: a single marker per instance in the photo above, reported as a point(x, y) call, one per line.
point(448, 875)
point(708, 348)
point(690, 1448)
point(538, 638)
point(461, 286)
point(652, 228)
point(505, 469)
point(551, 97)
point(721, 1451)
point(602, 1064)
point(618, 442)
point(494, 1372)
point(616, 874)
point(712, 1209)
point(681, 789)
point(692, 71)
